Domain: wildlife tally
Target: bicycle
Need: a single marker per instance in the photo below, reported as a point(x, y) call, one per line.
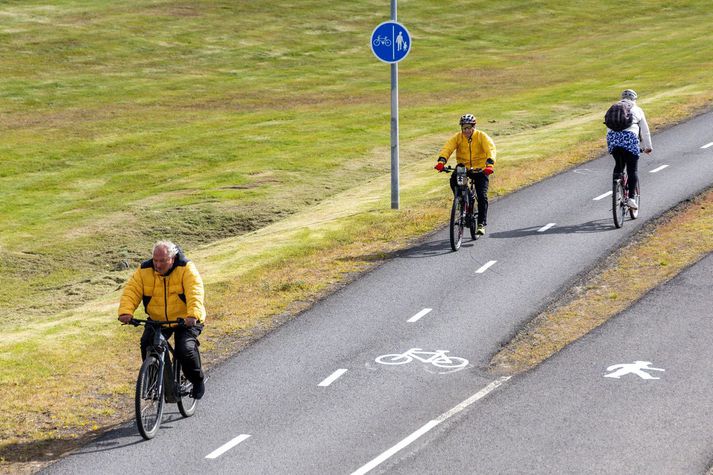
point(620, 197)
point(463, 212)
point(159, 381)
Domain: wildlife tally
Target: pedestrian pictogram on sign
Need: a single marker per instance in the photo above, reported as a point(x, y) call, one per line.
point(390, 42)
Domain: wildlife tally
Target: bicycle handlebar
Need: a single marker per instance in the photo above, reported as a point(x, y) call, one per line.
point(137, 321)
point(449, 169)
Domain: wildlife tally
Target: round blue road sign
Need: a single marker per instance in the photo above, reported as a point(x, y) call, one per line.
point(390, 42)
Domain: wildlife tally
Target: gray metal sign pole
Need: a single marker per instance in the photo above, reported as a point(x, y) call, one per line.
point(394, 125)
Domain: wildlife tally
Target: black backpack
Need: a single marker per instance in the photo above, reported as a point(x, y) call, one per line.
point(619, 116)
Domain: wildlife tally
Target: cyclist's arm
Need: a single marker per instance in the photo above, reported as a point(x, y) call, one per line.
point(449, 148)
point(132, 295)
point(645, 134)
point(193, 286)
point(489, 149)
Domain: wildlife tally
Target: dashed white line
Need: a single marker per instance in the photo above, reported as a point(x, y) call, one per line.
point(419, 315)
point(658, 169)
point(485, 267)
point(225, 447)
point(708, 145)
point(332, 377)
point(430, 425)
point(545, 227)
point(602, 196)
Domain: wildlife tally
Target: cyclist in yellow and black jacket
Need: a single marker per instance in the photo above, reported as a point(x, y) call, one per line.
point(474, 149)
point(170, 287)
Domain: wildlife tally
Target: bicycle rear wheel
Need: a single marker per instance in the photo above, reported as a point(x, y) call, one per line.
point(634, 213)
point(456, 223)
point(618, 207)
point(149, 398)
point(186, 403)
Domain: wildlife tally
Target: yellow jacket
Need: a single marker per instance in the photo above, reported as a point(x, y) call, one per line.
point(472, 154)
point(177, 295)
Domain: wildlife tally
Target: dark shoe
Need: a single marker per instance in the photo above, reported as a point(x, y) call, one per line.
point(198, 390)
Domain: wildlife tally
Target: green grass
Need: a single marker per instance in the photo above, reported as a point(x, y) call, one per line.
point(256, 135)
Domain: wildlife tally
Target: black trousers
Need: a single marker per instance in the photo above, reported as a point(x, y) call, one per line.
point(186, 346)
point(481, 192)
point(624, 158)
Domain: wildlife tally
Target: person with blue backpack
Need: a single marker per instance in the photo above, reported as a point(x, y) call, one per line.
point(627, 135)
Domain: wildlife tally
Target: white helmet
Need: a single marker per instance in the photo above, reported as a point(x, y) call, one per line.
point(467, 119)
point(629, 94)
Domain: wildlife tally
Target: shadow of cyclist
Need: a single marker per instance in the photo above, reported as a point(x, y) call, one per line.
point(595, 226)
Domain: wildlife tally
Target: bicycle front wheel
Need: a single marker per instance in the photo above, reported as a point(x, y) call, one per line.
point(618, 207)
point(149, 398)
point(456, 223)
point(186, 403)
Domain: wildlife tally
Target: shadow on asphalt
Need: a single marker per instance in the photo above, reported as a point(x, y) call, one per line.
point(434, 248)
point(596, 226)
point(47, 452)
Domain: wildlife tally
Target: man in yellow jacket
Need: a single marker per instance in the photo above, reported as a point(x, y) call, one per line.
point(170, 287)
point(474, 149)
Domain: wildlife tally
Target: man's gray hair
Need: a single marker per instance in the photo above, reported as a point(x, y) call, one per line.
point(170, 247)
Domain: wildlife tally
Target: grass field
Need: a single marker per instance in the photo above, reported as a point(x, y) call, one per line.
point(256, 135)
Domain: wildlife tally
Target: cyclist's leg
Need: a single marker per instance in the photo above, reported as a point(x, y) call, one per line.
point(453, 183)
point(187, 344)
point(481, 191)
point(146, 340)
point(632, 170)
point(619, 155)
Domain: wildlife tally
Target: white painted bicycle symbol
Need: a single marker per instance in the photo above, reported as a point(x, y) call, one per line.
point(437, 358)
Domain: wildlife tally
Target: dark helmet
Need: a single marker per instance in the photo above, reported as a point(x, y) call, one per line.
point(468, 119)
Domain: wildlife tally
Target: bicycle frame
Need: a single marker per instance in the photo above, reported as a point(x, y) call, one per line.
point(620, 196)
point(163, 351)
point(463, 211)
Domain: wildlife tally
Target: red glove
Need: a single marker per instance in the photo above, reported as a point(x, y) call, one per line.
point(488, 170)
point(439, 166)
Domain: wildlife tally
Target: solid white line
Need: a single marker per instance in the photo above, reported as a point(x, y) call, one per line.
point(602, 196)
point(708, 145)
point(545, 227)
point(430, 425)
point(419, 315)
point(386, 455)
point(224, 448)
point(485, 267)
point(333, 377)
point(479, 395)
point(658, 169)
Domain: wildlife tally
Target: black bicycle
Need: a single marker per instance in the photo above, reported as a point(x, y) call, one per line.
point(463, 212)
point(160, 380)
point(620, 198)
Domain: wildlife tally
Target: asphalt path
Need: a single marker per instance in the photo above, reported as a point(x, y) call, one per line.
point(633, 396)
point(314, 396)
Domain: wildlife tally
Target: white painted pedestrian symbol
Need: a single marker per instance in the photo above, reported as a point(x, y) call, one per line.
point(637, 368)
